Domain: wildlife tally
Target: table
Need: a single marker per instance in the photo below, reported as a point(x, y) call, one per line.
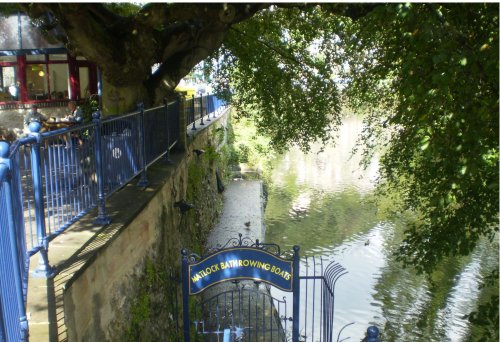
point(48, 126)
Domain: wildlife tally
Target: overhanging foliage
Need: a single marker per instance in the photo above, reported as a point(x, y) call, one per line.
point(425, 74)
point(434, 69)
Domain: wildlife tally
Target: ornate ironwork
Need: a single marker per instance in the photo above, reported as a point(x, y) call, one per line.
point(241, 241)
point(316, 282)
point(234, 242)
point(190, 257)
point(228, 313)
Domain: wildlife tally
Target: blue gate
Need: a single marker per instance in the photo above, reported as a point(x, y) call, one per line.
point(242, 283)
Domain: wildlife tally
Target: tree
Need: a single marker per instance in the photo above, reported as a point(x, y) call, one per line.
point(429, 73)
point(125, 41)
point(425, 74)
point(434, 70)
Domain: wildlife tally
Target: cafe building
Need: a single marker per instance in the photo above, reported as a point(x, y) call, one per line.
point(34, 69)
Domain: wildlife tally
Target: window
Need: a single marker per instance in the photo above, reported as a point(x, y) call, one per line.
point(9, 88)
point(9, 85)
point(36, 82)
point(49, 78)
point(45, 77)
point(12, 59)
point(59, 81)
point(58, 57)
point(84, 82)
point(35, 58)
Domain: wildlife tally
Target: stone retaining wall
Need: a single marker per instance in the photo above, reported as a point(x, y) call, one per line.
point(128, 290)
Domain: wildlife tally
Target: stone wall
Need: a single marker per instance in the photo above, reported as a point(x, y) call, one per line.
point(129, 291)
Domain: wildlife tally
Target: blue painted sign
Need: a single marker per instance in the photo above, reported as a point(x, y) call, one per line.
point(240, 263)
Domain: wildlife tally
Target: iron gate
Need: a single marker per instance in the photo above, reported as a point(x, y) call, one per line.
point(246, 313)
point(241, 285)
point(317, 298)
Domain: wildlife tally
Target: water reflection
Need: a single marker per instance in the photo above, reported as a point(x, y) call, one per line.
point(322, 202)
point(332, 170)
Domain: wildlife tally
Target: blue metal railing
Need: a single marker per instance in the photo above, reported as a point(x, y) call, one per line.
point(13, 260)
point(121, 142)
point(68, 176)
point(48, 181)
point(317, 303)
point(197, 108)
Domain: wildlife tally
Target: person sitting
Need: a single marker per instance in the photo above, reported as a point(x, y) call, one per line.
point(75, 113)
point(14, 91)
point(34, 115)
point(7, 134)
point(74, 117)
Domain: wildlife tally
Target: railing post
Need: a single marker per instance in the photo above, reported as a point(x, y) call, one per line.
point(167, 114)
point(43, 269)
point(372, 334)
point(201, 112)
point(193, 114)
point(296, 294)
point(206, 110)
point(185, 294)
point(102, 218)
point(211, 102)
point(217, 105)
point(182, 144)
point(7, 194)
point(207, 105)
point(143, 181)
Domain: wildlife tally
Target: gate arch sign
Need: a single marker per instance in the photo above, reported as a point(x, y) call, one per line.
point(240, 259)
point(237, 264)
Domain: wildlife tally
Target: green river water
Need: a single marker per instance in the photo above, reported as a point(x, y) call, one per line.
point(323, 202)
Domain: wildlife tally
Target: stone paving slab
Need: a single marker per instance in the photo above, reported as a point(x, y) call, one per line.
point(243, 213)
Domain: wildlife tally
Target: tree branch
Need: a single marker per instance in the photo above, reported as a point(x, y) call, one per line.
point(267, 45)
point(354, 11)
point(157, 14)
point(105, 16)
point(186, 42)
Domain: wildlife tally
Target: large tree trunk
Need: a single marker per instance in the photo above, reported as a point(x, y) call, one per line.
point(174, 36)
point(119, 100)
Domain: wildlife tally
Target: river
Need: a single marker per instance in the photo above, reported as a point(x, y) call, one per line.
point(324, 203)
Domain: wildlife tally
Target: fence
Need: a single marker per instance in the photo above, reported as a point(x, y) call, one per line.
point(251, 309)
point(48, 181)
point(197, 108)
point(318, 298)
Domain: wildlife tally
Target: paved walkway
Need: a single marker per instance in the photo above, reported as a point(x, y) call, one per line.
point(244, 308)
point(243, 213)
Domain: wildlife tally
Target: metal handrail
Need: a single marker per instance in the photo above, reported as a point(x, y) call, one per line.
point(50, 180)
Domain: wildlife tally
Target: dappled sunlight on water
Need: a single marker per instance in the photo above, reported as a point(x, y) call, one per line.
point(332, 170)
point(300, 206)
point(322, 202)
